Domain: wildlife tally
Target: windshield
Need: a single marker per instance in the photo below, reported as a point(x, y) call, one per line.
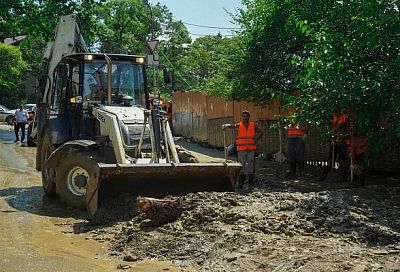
point(127, 83)
point(2, 108)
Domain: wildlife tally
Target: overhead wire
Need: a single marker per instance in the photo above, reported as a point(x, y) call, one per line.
point(173, 67)
point(202, 35)
point(213, 27)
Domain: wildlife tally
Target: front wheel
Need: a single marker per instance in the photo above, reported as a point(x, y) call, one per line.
point(10, 120)
point(72, 177)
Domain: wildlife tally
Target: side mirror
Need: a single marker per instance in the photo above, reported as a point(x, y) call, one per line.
point(167, 76)
point(62, 70)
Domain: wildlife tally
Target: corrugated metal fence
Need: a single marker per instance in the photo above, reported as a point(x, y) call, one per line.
point(200, 118)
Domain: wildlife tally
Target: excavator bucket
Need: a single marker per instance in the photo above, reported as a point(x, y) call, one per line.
point(158, 180)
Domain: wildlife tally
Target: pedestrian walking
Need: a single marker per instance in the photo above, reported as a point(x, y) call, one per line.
point(248, 132)
point(21, 117)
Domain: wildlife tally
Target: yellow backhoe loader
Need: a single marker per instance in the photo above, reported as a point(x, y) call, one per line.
point(97, 136)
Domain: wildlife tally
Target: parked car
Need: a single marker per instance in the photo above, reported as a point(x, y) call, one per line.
point(6, 115)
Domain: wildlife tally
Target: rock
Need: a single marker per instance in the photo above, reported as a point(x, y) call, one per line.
point(231, 259)
point(130, 258)
point(123, 266)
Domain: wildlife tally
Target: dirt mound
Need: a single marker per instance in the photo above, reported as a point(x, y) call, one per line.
point(219, 231)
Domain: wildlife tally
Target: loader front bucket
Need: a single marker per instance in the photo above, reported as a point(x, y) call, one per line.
point(158, 180)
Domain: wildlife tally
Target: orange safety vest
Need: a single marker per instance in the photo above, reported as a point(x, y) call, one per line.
point(339, 119)
point(360, 145)
point(295, 131)
point(245, 139)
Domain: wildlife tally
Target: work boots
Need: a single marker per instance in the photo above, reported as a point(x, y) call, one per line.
point(301, 170)
point(240, 183)
point(251, 182)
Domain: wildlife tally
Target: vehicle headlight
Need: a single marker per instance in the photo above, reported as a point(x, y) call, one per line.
point(140, 60)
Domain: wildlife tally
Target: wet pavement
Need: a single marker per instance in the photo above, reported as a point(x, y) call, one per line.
point(35, 230)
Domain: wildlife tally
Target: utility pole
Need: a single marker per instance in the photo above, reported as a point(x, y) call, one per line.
point(152, 59)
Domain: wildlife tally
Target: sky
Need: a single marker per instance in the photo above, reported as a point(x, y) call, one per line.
point(203, 13)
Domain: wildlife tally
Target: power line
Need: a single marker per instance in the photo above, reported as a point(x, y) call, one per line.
point(203, 35)
point(170, 63)
point(215, 27)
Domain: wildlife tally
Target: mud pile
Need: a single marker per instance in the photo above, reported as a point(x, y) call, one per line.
point(226, 231)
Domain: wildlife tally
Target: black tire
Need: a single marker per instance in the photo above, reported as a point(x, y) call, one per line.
point(30, 141)
point(72, 177)
point(38, 164)
point(48, 174)
point(10, 120)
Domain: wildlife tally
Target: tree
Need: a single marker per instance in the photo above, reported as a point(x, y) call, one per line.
point(209, 64)
point(11, 68)
point(353, 63)
point(38, 20)
point(268, 39)
point(338, 54)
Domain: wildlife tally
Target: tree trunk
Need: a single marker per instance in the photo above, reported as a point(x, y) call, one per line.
point(159, 211)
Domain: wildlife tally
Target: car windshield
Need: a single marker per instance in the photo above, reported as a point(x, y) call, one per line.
point(29, 107)
point(2, 108)
point(127, 83)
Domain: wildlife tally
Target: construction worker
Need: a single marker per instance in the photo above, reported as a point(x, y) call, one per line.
point(357, 147)
point(248, 134)
point(297, 134)
point(340, 132)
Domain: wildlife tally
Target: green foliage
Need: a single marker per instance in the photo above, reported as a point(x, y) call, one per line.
point(269, 38)
point(38, 20)
point(123, 26)
point(337, 54)
point(353, 63)
point(11, 68)
point(209, 65)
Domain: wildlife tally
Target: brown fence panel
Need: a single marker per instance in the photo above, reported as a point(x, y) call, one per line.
point(317, 149)
point(240, 106)
point(200, 117)
point(199, 129)
point(177, 113)
point(199, 104)
point(186, 102)
point(215, 132)
point(186, 125)
point(257, 112)
point(217, 108)
point(389, 157)
point(269, 143)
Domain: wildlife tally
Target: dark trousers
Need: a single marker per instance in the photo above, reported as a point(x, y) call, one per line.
point(17, 127)
point(359, 160)
point(296, 150)
point(341, 156)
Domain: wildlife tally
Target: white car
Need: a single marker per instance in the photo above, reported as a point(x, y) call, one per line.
point(6, 115)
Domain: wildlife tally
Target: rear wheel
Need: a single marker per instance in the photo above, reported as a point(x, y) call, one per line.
point(48, 173)
point(10, 120)
point(72, 178)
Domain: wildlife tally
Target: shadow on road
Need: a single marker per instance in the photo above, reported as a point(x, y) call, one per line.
point(32, 200)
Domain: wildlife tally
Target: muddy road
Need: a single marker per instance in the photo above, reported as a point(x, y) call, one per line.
point(39, 233)
point(283, 225)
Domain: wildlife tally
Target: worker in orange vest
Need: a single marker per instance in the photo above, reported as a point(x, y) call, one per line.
point(357, 147)
point(340, 133)
point(297, 134)
point(247, 136)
